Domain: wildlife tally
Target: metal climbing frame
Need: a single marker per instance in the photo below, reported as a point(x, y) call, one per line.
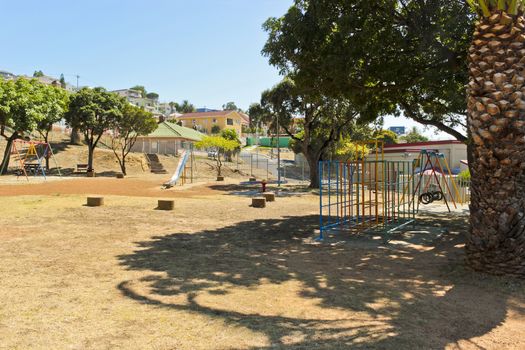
point(364, 194)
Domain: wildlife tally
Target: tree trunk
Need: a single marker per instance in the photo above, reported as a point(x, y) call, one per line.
point(91, 152)
point(123, 164)
point(313, 164)
point(496, 105)
point(7, 153)
point(219, 164)
point(75, 137)
point(46, 138)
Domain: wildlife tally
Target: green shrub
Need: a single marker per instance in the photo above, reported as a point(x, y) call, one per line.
point(464, 177)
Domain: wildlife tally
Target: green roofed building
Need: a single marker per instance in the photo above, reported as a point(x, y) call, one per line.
point(168, 138)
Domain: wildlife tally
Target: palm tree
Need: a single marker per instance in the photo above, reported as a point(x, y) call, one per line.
point(496, 105)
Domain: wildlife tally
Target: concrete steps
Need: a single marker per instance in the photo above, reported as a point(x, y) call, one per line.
point(155, 165)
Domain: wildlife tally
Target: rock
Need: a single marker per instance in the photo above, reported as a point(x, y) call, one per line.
point(516, 45)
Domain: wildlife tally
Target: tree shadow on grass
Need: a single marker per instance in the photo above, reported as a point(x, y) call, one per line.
point(383, 296)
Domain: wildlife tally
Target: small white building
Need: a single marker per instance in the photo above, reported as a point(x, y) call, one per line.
point(454, 151)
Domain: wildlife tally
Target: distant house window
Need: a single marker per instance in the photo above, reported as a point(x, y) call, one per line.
point(229, 121)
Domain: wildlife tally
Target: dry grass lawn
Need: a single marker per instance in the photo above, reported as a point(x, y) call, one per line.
point(217, 274)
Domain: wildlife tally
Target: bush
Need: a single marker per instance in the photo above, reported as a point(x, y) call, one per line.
point(215, 129)
point(464, 177)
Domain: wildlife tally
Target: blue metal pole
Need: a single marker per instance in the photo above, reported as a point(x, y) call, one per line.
point(320, 167)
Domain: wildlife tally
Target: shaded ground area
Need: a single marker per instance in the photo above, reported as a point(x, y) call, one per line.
point(216, 274)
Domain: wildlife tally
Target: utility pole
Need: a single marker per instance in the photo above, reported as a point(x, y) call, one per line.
point(78, 76)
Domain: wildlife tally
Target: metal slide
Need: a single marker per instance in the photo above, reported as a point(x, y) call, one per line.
point(180, 168)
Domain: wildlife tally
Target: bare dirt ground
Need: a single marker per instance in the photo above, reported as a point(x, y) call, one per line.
point(218, 274)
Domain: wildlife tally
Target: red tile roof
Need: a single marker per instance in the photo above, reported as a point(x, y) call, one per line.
point(204, 114)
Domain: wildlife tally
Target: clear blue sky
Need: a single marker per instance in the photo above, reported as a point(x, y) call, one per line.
point(206, 51)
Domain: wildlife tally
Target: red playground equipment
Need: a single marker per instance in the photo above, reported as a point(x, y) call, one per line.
point(434, 163)
point(29, 157)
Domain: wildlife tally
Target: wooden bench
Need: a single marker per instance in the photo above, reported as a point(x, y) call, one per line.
point(82, 168)
point(32, 168)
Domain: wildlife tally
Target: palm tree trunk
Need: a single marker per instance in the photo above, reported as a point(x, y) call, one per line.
point(496, 104)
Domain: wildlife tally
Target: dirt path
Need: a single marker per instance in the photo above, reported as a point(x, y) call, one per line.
point(107, 186)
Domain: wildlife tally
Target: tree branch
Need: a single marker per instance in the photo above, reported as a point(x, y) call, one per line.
point(413, 115)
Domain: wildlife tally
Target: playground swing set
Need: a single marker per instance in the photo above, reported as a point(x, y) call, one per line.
point(30, 156)
point(433, 189)
point(374, 193)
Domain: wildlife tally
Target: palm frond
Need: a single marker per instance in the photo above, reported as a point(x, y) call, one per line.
point(486, 8)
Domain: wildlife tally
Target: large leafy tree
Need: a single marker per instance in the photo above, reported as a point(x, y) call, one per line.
point(389, 56)
point(325, 120)
point(230, 106)
point(496, 105)
point(414, 136)
point(219, 144)
point(94, 111)
point(139, 88)
point(186, 107)
point(231, 134)
point(55, 102)
point(23, 105)
point(133, 122)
